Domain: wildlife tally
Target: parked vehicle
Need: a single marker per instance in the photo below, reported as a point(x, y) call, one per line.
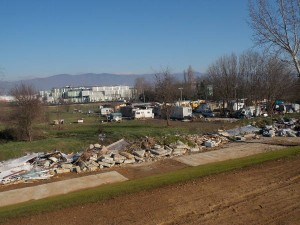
point(106, 111)
point(115, 117)
point(181, 112)
point(204, 110)
point(143, 113)
point(136, 113)
point(207, 113)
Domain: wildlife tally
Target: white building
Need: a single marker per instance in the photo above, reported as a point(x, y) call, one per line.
point(88, 94)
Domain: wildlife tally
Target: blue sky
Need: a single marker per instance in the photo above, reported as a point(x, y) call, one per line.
point(44, 38)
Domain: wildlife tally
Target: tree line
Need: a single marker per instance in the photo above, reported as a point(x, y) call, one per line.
point(251, 75)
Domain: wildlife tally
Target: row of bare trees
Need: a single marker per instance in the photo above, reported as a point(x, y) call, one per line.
point(165, 83)
point(252, 76)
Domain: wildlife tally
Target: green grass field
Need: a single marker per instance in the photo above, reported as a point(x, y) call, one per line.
point(114, 190)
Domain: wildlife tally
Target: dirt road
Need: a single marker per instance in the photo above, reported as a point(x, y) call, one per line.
point(264, 194)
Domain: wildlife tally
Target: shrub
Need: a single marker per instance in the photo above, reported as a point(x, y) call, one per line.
point(9, 134)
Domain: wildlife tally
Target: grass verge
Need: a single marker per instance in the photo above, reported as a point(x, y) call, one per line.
point(132, 186)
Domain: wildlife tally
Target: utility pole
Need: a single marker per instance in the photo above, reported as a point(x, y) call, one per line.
point(180, 94)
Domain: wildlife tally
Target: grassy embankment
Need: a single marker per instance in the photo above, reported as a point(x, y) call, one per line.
point(114, 190)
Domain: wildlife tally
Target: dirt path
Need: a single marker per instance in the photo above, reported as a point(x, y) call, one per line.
point(264, 194)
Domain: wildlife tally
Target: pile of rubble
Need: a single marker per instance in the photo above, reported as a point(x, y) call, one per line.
point(282, 128)
point(37, 166)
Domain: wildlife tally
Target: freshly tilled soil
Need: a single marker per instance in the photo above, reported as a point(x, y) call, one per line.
point(267, 193)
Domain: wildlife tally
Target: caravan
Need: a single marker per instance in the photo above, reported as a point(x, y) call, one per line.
point(181, 112)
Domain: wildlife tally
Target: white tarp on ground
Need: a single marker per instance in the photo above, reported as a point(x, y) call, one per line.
point(249, 129)
point(13, 163)
point(15, 171)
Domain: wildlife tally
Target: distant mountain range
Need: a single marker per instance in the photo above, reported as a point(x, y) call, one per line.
point(87, 79)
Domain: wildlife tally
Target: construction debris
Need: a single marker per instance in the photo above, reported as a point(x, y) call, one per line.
point(36, 166)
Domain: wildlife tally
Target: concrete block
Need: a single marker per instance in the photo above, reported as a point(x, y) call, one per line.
point(97, 145)
point(139, 159)
point(129, 161)
point(93, 168)
point(61, 170)
point(119, 161)
point(104, 164)
point(66, 166)
point(53, 159)
point(127, 155)
point(76, 169)
point(160, 152)
point(118, 157)
point(196, 149)
point(240, 138)
point(291, 133)
point(156, 146)
point(210, 144)
point(108, 160)
point(139, 153)
point(179, 151)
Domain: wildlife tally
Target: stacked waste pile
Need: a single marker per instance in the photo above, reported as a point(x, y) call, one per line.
point(282, 128)
point(37, 166)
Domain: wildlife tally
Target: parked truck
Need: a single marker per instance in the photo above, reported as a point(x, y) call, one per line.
point(181, 112)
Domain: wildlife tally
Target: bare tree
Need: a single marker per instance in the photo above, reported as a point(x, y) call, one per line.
point(277, 26)
point(251, 67)
point(27, 110)
point(143, 89)
point(277, 80)
point(223, 75)
point(189, 83)
point(165, 89)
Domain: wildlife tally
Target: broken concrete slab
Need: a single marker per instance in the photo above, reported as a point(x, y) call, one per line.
point(161, 152)
point(129, 161)
point(127, 155)
point(104, 164)
point(76, 169)
point(195, 149)
point(66, 166)
point(97, 145)
point(242, 130)
point(210, 144)
point(58, 188)
point(240, 138)
point(139, 159)
point(62, 170)
point(118, 157)
point(108, 160)
point(139, 153)
point(179, 151)
point(118, 145)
